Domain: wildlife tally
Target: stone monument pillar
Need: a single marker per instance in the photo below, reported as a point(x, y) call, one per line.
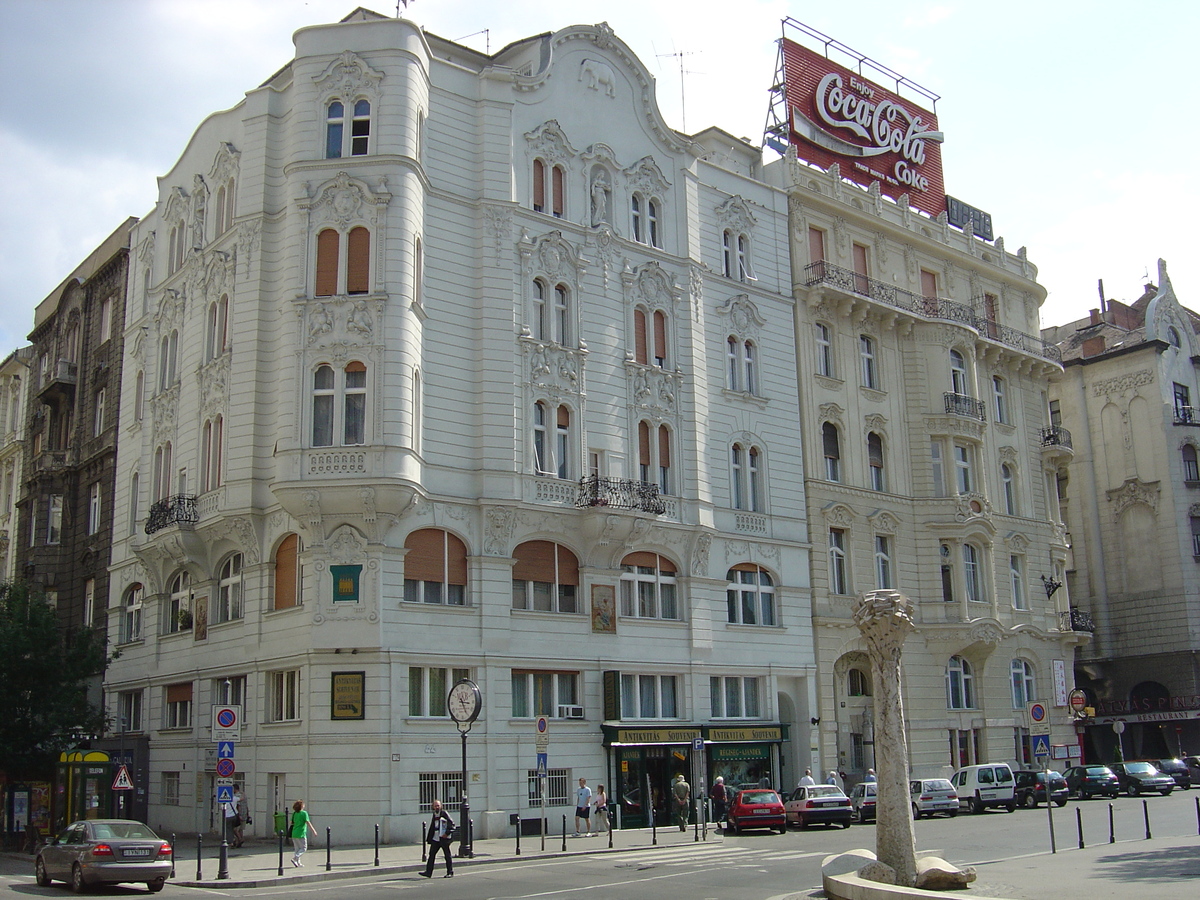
point(885, 619)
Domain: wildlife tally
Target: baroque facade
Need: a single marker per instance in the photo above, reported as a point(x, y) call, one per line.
point(439, 366)
point(14, 380)
point(1131, 501)
point(929, 467)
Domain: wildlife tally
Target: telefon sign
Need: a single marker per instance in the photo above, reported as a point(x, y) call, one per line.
point(838, 116)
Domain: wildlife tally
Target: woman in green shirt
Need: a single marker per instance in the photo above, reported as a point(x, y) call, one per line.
point(301, 826)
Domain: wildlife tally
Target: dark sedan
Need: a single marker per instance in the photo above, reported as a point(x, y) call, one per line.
point(105, 851)
point(1031, 788)
point(1086, 782)
point(1140, 777)
point(1177, 769)
point(818, 804)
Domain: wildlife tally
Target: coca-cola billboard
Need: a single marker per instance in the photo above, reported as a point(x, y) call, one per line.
point(838, 116)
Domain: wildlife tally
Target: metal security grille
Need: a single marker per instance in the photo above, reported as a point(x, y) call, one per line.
point(558, 787)
point(444, 786)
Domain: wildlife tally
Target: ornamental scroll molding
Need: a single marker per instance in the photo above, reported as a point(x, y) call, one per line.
point(884, 522)
point(552, 255)
point(653, 389)
point(348, 75)
point(214, 386)
point(745, 321)
point(240, 531)
point(651, 285)
point(344, 200)
point(1122, 383)
point(499, 226)
point(1017, 542)
point(736, 213)
point(498, 530)
point(1134, 490)
point(249, 239)
point(226, 164)
point(339, 324)
point(986, 633)
point(645, 175)
point(838, 514)
point(550, 142)
point(216, 274)
point(552, 370)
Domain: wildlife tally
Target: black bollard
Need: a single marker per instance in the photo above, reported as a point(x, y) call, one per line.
point(1198, 815)
point(1079, 825)
point(377, 843)
point(223, 864)
point(696, 839)
point(424, 835)
point(653, 829)
point(564, 834)
point(1146, 815)
point(280, 872)
point(328, 850)
point(518, 834)
point(608, 825)
point(1112, 834)
point(470, 849)
point(199, 856)
point(174, 851)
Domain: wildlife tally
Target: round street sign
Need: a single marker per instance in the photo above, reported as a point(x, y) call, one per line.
point(225, 767)
point(1037, 712)
point(1078, 700)
point(226, 718)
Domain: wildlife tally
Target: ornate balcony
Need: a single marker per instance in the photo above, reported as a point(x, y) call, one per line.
point(963, 405)
point(1056, 436)
point(177, 510)
point(615, 493)
point(58, 384)
point(1076, 620)
point(1186, 415)
point(847, 281)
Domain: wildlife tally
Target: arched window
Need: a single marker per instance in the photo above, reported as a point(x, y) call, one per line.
point(131, 613)
point(177, 608)
point(218, 327)
point(832, 450)
point(540, 319)
point(348, 417)
point(360, 128)
point(1022, 683)
point(229, 590)
point(418, 272)
point(1018, 582)
point(742, 365)
point(972, 572)
point(328, 244)
point(335, 129)
point(866, 352)
point(749, 596)
point(1008, 483)
point(875, 462)
point(162, 471)
point(644, 214)
point(960, 684)
point(541, 459)
point(562, 319)
point(287, 573)
point(435, 568)
point(358, 261)
point(858, 683)
point(355, 404)
point(212, 461)
point(839, 575)
point(958, 373)
point(335, 274)
point(648, 587)
point(139, 396)
point(737, 463)
point(545, 577)
point(1173, 337)
point(1191, 471)
point(1000, 400)
point(562, 443)
point(549, 181)
point(824, 341)
point(654, 455)
point(746, 477)
point(735, 256)
point(168, 351)
point(660, 339)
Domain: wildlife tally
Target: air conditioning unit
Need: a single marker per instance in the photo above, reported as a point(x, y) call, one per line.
point(570, 712)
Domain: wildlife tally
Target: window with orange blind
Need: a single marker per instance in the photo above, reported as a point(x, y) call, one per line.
point(816, 245)
point(287, 573)
point(641, 352)
point(328, 246)
point(660, 339)
point(177, 711)
point(648, 587)
point(335, 275)
point(545, 577)
point(358, 261)
point(435, 568)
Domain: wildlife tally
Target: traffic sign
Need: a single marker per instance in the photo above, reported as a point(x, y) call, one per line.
point(1039, 717)
point(225, 749)
point(122, 782)
point(1041, 744)
point(224, 793)
point(225, 767)
point(543, 763)
point(226, 723)
point(542, 740)
point(698, 745)
point(1078, 700)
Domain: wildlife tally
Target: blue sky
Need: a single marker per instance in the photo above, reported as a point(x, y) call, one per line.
point(1068, 121)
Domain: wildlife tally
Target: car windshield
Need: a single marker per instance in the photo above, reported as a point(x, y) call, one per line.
point(1098, 770)
point(108, 831)
point(1140, 769)
point(1171, 765)
point(749, 797)
point(937, 784)
point(822, 790)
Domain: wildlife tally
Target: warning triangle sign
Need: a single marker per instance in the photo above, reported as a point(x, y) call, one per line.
point(122, 782)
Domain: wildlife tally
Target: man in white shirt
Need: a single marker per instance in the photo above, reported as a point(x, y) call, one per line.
point(807, 779)
point(583, 808)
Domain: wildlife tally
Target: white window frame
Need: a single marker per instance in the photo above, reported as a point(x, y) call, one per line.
point(973, 563)
point(554, 597)
point(649, 595)
point(98, 413)
point(650, 696)
point(870, 369)
point(230, 690)
point(960, 684)
point(341, 405)
point(750, 598)
point(428, 687)
point(345, 122)
point(129, 712)
point(736, 697)
point(1023, 683)
point(1000, 400)
point(839, 569)
point(283, 700)
point(958, 373)
point(170, 789)
point(1008, 484)
point(883, 562)
point(131, 614)
point(95, 508)
point(177, 600)
point(230, 604)
point(1017, 580)
point(824, 343)
point(964, 475)
point(561, 688)
point(177, 714)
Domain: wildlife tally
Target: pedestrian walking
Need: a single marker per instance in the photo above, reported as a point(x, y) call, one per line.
point(583, 808)
point(301, 826)
point(439, 835)
point(683, 796)
point(601, 803)
point(807, 779)
point(242, 819)
point(720, 799)
point(833, 779)
point(230, 821)
point(871, 776)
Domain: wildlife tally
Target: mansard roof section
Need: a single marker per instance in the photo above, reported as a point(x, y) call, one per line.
point(117, 241)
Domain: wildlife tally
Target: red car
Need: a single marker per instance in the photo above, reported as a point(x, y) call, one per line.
point(756, 808)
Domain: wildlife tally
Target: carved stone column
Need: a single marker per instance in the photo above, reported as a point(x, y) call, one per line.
point(885, 619)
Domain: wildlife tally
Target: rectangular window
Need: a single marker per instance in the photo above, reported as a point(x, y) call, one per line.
point(1001, 401)
point(858, 751)
point(284, 700)
point(870, 376)
point(177, 712)
point(98, 414)
point(861, 282)
point(428, 688)
point(1018, 583)
point(54, 520)
point(129, 704)
point(230, 691)
point(94, 509)
point(962, 468)
point(838, 580)
point(883, 562)
point(648, 697)
point(1195, 527)
point(735, 697)
point(554, 695)
point(558, 787)
point(938, 469)
point(816, 245)
point(89, 602)
point(106, 307)
point(1022, 752)
point(444, 786)
point(824, 350)
point(170, 788)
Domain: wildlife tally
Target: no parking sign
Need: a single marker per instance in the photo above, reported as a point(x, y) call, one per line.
point(227, 723)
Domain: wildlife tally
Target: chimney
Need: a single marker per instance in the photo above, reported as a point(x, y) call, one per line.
point(1093, 346)
point(1095, 314)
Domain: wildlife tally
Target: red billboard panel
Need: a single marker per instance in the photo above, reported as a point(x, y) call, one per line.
point(836, 115)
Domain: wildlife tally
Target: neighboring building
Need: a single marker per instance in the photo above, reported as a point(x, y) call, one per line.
point(923, 427)
point(1131, 501)
point(446, 365)
point(14, 382)
point(66, 502)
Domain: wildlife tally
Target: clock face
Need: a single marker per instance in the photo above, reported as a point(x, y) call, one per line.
point(464, 702)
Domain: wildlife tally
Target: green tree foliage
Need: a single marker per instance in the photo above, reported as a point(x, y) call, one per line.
point(44, 669)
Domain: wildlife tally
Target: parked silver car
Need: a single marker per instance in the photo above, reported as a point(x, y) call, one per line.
point(930, 796)
point(105, 851)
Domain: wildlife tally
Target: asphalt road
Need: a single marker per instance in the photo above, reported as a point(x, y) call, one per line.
point(757, 866)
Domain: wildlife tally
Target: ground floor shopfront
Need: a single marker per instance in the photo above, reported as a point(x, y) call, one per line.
point(644, 762)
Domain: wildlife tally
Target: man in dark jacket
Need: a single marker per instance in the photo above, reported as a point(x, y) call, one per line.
point(438, 838)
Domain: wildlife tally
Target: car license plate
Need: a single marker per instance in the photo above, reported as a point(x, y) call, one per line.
point(762, 812)
point(137, 851)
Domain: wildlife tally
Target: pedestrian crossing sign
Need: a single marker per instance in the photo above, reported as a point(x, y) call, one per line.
point(122, 782)
point(225, 793)
point(1041, 744)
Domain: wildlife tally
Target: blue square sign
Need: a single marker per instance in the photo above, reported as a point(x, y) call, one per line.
point(225, 749)
point(1041, 744)
point(225, 793)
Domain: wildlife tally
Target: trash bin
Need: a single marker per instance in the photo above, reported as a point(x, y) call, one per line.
point(280, 822)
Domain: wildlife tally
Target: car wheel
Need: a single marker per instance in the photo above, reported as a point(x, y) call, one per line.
point(1061, 803)
point(40, 873)
point(976, 805)
point(78, 885)
point(156, 885)
point(782, 829)
point(1029, 801)
point(916, 812)
point(1167, 791)
point(732, 827)
point(1134, 789)
point(952, 813)
point(1012, 807)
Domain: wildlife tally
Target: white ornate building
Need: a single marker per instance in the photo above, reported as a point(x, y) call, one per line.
point(443, 365)
point(14, 386)
point(929, 467)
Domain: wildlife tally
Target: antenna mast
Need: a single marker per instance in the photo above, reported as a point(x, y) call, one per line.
point(682, 87)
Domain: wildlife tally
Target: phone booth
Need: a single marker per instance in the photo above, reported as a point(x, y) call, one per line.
point(83, 786)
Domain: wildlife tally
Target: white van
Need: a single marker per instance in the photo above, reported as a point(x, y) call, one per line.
point(979, 787)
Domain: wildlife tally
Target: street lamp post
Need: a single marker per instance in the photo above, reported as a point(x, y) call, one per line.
point(464, 703)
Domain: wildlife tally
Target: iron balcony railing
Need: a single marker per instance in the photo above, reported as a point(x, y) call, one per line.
point(177, 510)
point(617, 493)
point(929, 307)
point(963, 405)
point(1076, 620)
point(1186, 415)
point(1056, 436)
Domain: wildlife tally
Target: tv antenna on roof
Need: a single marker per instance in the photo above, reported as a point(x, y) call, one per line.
point(682, 89)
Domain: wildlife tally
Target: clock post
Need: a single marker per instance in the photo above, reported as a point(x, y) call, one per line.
point(464, 703)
